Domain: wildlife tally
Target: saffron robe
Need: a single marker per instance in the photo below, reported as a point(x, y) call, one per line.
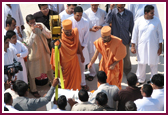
point(69, 60)
point(111, 52)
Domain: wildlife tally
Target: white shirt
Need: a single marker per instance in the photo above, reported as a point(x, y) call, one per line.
point(8, 59)
point(20, 48)
point(110, 90)
point(159, 94)
point(54, 7)
point(83, 29)
point(64, 15)
point(12, 92)
point(138, 10)
point(147, 104)
point(95, 19)
point(55, 108)
point(147, 34)
point(11, 108)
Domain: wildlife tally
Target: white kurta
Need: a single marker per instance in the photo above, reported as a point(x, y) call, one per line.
point(54, 7)
point(64, 15)
point(98, 20)
point(8, 59)
point(7, 11)
point(147, 104)
point(138, 10)
point(159, 94)
point(110, 90)
point(147, 34)
point(83, 29)
point(20, 48)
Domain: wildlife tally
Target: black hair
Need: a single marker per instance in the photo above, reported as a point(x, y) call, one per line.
point(130, 106)
point(132, 79)
point(39, 5)
point(10, 33)
point(101, 76)
point(5, 38)
point(62, 102)
point(29, 17)
point(158, 80)
point(72, 4)
point(78, 9)
point(101, 98)
point(6, 109)
point(7, 98)
point(148, 8)
point(147, 89)
point(21, 87)
point(83, 95)
point(9, 20)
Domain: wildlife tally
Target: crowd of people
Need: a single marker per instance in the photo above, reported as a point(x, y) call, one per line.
point(87, 33)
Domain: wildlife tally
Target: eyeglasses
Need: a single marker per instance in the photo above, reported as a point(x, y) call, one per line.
point(45, 9)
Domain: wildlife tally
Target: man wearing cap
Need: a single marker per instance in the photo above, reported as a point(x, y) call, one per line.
point(70, 45)
point(113, 51)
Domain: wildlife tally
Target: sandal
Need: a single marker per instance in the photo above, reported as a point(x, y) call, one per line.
point(85, 87)
point(36, 94)
point(90, 78)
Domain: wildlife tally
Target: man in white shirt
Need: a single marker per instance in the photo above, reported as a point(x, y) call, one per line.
point(96, 18)
point(17, 15)
point(138, 10)
point(83, 28)
point(68, 12)
point(11, 25)
point(157, 82)
point(8, 102)
point(109, 90)
point(9, 55)
point(147, 103)
point(20, 51)
point(147, 37)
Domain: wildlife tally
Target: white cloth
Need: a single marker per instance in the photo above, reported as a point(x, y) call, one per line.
point(54, 7)
point(138, 10)
point(98, 20)
point(159, 94)
point(7, 11)
point(11, 108)
point(8, 59)
point(55, 108)
point(84, 106)
point(110, 90)
point(141, 72)
point(64, 15)
point(12, 92)
point(17, 15)
point(147, 104)
point(20, 48)
point(83, 29)
point(147, 34)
